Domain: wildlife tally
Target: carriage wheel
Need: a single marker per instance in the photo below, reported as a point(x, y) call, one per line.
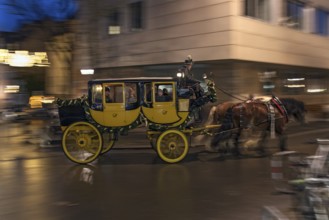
point(172, 146)
point(82, 142)
point(108, 142)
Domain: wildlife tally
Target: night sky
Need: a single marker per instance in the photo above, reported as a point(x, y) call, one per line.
point(15, 13)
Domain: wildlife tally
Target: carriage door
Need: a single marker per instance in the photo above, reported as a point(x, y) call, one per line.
point(114, 106)
point(160, 102)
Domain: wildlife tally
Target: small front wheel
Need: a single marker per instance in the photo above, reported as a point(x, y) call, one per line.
point(82, 142)
point(172, 146)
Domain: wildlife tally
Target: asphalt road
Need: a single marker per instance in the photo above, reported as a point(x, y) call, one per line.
point(131, 182)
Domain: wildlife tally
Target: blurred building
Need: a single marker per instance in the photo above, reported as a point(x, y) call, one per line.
point(30, 33)
point(250, 46)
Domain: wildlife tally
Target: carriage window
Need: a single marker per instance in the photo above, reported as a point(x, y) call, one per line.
point(130, 93)
point(163, 92)
point(96, 98)
point(114, 94)
point(148, 92)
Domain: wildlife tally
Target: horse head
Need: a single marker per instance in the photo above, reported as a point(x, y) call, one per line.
point(295, 109)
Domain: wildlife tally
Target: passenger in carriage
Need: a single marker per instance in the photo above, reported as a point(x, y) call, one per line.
point(166, 95)
point(162, 95)
point(130, 95)
point(108, 95)
point(159, 96)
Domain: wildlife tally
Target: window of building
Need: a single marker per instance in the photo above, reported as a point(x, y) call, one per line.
point(322, 18)
point(303, 83)
point(294, 84)
point(257, 9)
point(317, 85)
point(267, 81)
point(136, 15)
point(114, 22)
point(295, 13)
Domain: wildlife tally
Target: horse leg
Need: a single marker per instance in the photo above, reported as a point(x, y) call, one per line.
point(283, 141)
point(236, 150)
point(262, 143)
point(280, 133)
point(214, 142)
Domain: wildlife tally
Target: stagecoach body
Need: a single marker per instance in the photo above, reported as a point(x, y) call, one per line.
point(92, 124)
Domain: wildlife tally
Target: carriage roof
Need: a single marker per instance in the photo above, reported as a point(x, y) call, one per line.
point(132, 79)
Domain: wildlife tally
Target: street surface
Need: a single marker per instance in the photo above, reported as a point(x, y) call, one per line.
point(131, 182)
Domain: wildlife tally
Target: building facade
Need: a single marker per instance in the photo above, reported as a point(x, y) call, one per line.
point(251, 46)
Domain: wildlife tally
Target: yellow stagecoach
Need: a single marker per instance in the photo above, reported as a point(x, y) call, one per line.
point(165, 105)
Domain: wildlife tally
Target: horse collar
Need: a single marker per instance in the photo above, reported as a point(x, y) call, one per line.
point(276, 101)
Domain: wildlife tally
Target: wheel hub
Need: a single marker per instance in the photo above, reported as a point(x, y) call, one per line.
point(172, 146)
point(82, 141)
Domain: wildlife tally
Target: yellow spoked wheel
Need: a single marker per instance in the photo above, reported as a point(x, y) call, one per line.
point(172, 146)
point(108, 142)
point(82, 142)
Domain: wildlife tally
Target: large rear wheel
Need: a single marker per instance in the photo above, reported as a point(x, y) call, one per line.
point(172, 146)
point(82, 142)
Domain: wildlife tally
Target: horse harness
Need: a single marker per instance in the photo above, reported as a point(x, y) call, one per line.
point(274, 102)
point(278, 104)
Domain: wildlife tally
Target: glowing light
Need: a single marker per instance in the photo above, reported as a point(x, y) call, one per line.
point(87, 71)
point(20, 59)
point(296, 79)
point(316, 90)
point(41, 59)
point(294, 86)
point(3, 55)
point(179, 75)
point(48, 99)
point(23, 58)
point(268, 86)
point(11, 89)
point(114, 30)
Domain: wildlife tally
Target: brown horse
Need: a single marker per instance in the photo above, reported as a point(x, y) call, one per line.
point(270, 116)
point(217, 113)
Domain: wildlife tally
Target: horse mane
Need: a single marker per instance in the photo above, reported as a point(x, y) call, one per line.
point(288, 102)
